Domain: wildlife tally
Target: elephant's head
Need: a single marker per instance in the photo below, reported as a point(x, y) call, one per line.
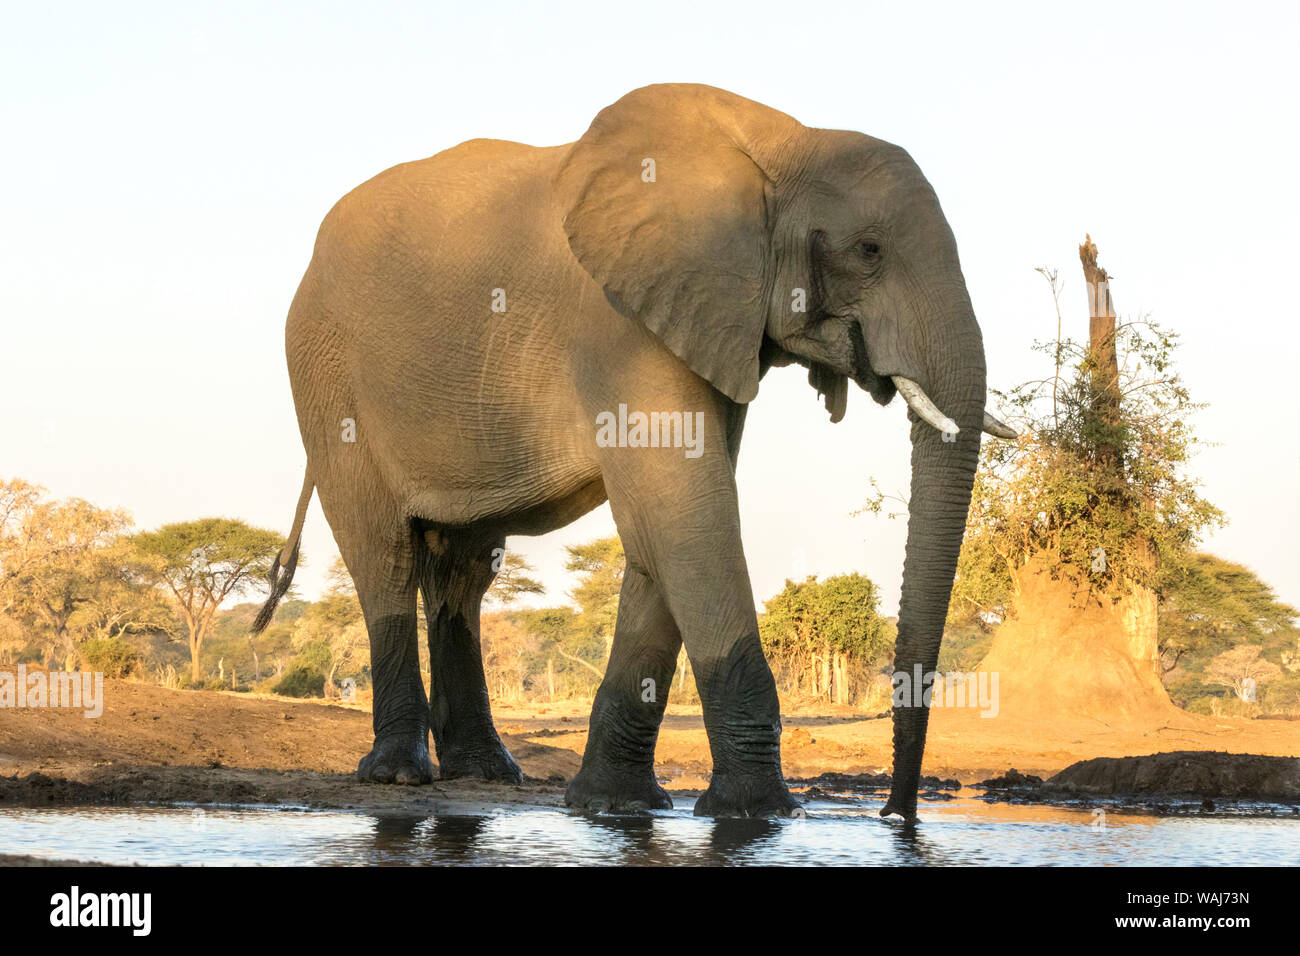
point(740, 237)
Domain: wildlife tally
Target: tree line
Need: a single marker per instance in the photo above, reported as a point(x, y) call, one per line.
point(80, 589)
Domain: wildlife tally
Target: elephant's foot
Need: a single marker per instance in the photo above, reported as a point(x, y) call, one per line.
point(609, 791)
point(487, 759)
point(401, 759)
point(746, 795)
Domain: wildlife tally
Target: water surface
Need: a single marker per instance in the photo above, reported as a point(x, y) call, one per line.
point(962, 832)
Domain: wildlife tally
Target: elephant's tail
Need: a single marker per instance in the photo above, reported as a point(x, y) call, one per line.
point(281, 574)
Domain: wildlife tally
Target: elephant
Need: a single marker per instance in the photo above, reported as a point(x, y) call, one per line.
point(499, 338)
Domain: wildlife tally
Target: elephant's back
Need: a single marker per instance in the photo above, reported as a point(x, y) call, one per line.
point(461, 192)
point(451, 228)
point(442, 299)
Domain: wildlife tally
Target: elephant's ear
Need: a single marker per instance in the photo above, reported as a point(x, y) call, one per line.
point(665, 208)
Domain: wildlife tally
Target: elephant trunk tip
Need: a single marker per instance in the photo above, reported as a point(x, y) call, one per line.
point(895, 806)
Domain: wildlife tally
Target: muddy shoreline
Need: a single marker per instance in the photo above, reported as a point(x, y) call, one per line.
point(158, 746)
point(1234, 785)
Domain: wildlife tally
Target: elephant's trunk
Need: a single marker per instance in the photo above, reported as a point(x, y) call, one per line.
point(943, 471)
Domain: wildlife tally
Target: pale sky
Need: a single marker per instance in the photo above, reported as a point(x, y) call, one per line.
point(164, 169)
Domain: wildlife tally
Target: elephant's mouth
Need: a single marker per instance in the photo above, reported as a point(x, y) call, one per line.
point(880, 387)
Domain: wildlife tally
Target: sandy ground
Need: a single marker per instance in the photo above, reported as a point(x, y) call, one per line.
point(157, 745)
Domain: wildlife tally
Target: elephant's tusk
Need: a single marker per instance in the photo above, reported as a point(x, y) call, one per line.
point(920, 403)
point(998, 429)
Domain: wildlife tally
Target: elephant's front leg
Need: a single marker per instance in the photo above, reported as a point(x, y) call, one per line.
point(743, 718)
point(679, 519)
point(618, 765)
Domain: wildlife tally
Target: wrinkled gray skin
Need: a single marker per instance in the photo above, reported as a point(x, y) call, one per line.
point(670, 295)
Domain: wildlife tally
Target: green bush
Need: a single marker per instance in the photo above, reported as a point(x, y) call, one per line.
point(1191, 687)
point(111, 656)
point(963, 649)
point(301, 682)
point(313, 657)
point(266, 685)
point(1221, 705)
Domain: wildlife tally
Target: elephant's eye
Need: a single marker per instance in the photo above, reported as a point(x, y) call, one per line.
point(870, 249)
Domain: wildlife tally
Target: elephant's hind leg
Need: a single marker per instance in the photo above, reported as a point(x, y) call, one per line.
point(455, 574)
point(379, 548)
point(618, 765)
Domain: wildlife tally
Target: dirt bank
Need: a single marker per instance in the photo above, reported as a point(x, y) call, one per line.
point(1183, 774)
point(154, 744)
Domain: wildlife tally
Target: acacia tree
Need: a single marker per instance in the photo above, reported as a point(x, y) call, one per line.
point(561, 646)
point(201, 564)
point(513, 579)
point(80, 565)
point(507, 647)
point(19, 547)
point(570, 647)
point(1209, 605)
point(120, 602)
point(599, 565)
point(12, 639)
point(68, 571)
point(1243, 670)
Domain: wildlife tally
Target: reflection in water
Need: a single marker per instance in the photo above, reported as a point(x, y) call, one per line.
point(400, 838)
point(742, 841)
point(960, 833)
point(910, 846)
point(662, 841)
point(634, 837)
